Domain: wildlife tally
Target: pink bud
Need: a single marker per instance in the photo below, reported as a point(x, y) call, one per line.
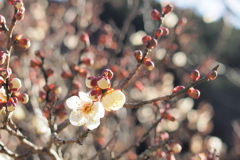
point(39, 54)
point(84, 37)
point(158, 32)
point(149, 65)
point(49, 72)
point(23, 98)
point(165, 31)
point(156, 15)
point(87, 61)
point(65, 74)
point(178, 88)
point(15, 84)
point(24, 43)
point(57, 90)
point(19, 16)
point(152, 43)
point(146, 39)
point(11, 2)
point(195, 75)
point(212, 75)
point(168, 8)
point(4, 73)
point(83, 72)
point(35, 63)
point(194, 93)
point(138, 55)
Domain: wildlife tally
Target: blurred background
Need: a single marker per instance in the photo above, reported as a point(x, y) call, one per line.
point(211, 36)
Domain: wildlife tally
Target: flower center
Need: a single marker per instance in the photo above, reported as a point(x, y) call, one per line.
point(87, 108)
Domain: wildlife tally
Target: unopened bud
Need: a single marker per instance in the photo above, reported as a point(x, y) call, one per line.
point(2, 20)
point(149, 65)
point(194, 93)
point(87, 61)
point(195, 75)
point(23, 98)
point(83, 72)
point(91, 82)
point(107, 73)
point(146, 39)
point(49, 72)
point(19, 16)
point(95, 94)
point(39, 54)
point(66, 74)
point(18, 4)
point(168, 8)
point(57, 90)
point(35, 63)
point(11, 2)
point(103, 83)
point(138, 55)
point(176, 148)
point(152, 43)
point(158, 32)
point(4, 73)
point(178, 88)
point(165, 31)
point(167, 116)
point(10, 105)
point(212, 75)
point(182, 21)
point(18, 38)
point(84, 37)
point(156, 15)
point(15, 84)
point(24, 43)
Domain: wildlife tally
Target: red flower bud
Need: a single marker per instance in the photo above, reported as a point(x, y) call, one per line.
point(168, 8)
point(138, 55)
point(11, 104)
point(178, 88)
point(84, 37)
point(165, 31)
point(167, 116)
point(15, 84)
point(95, 94)
point(156, 15)
point(4, 73)
point(195, 75)
point(83, 72)
point(49, 72)
point(91, 82)
point(19, 16)
point(182, 21)
point(24, 43)
point(139, 85)
point(107, 73)
point(194, 93)
point(35, 63)
point(158, 32)
point(11, 2)
point(104, 83)
point(146, 39)
point(39, 54)
point(87, 61)
point(66, 74)
point(149, 65)
point(152, 43)
point(212, 75)
point(18, 38)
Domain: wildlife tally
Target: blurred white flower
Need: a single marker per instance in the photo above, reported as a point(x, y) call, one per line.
point(85, 111)
point(113, 100)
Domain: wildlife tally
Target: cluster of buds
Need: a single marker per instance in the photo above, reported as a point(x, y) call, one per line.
point(19, 7)
point(22, 42)
point(10, 97)
point(83, 72)
point(157, 16)
point(50, 94)
point(146, 61)
point(3, 26)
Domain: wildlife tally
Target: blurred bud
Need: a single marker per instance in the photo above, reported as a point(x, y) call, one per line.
point(104, 83)
point(45, 112)
point(4, 73)
point(95, 94)
point(77, 85)
point(177, 89)
point(23, 98)
point(19, 16)
point(182, 21)
point(42, 96)
point(39, 54)
point(57, 90)
point(171, 157)
point(49, 72)
point(168, 8)
point(18, 4)
point(87, 61)
point(165, 31)
point(18, 38)
point(2, 20)
point(200, 156)
point(35, 63)
point(156, 15)
point(161, 154)
point(175, 148)
point(15, 84)
point(149, 65)
point(212, 75)
point(75, 67)
point(164, 136)
point(3, 57)
point(167, 116)
point(65, 74)
point(158, 32)
point(107, 73)
point(48, 87)
point(146, 39)
point(11, 2)
point(10, 105)
point(91, 82)
point(152, 43)
point(24, 43)
point(195, 75)
point(84, 37)
point(138, 55)
point(139, 85)
point(83, 72)
point(194, 93)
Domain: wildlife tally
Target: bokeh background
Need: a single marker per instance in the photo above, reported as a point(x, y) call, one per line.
point(211, 36)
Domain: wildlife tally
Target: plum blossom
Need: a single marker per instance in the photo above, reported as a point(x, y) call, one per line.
point(113, 100)
point(85, 111)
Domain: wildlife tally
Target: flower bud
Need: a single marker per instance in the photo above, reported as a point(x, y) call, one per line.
point(212, 75)
point(24, 43)
point(138, 55)
point(35, 63)
point(15, 84)
point(165, 31)
point(195, 75)
point(139, 85)
point(194, 93)
point(49, 72)
point(146, 39)
point(39, 54)
point(10, 105)
point(18, 4)
point(95, 94)
point(161, 154)
point(176, 148)
point(167, 116)
point(158, 32)
point(11, 2)
point(65, 74)
point(2, 20)
point(48, 87)
point(87, 61)
point(23, 98)
point(107, 73)
point(18, 38)
point(177, 89)
point(149, 65)
point(83, 72)
point(103, 83)
point(19, 16)
point(4, 73)
point(42, 96)
point(171, 157)
point(156, 15)
point(3, 57)
point(168, 8)
point(182, 21)
point(84, 37)
point(57, 90)
point(152, 43)
point(91, 82)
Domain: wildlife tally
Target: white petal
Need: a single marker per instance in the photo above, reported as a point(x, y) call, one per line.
point(98, 108)
point(73, 102)
point(84, 97)
point(113, 100)
point(92, 123)
point(77, 118)
point(119, 96)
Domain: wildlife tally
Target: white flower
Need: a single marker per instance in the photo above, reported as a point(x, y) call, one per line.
point(113, 100)
point(85, 111)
